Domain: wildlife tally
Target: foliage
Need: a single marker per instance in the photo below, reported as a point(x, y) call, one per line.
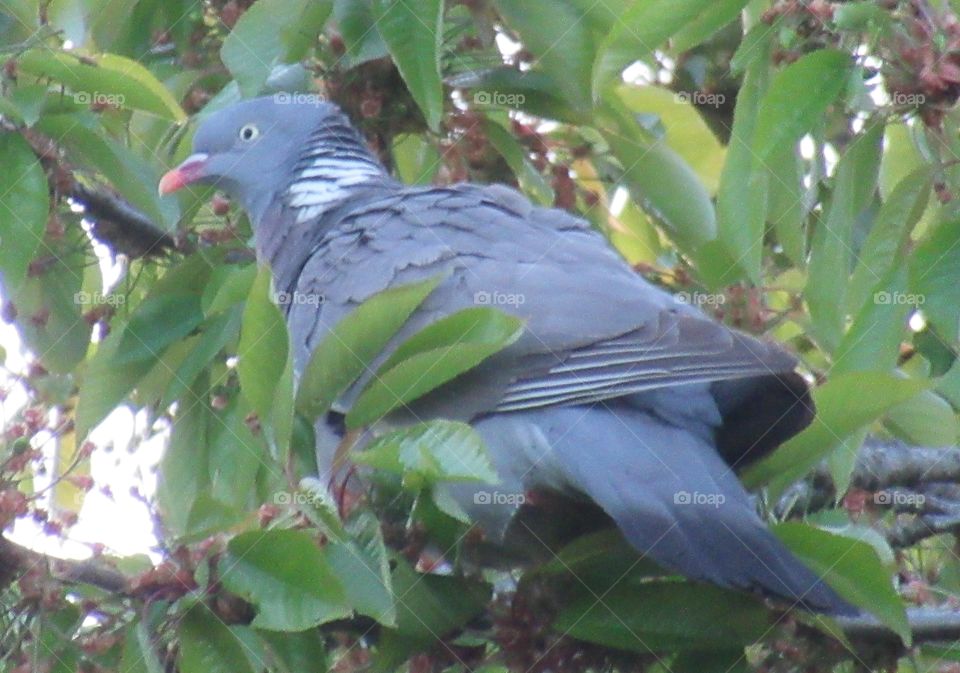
point(791, 167)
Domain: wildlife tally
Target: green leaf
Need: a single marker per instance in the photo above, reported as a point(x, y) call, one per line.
point(925, 419)
point(413, 30)
point(207, 645)
point(831, 252)
point(531, 181)
point(287, 576)
point(415, 158)
point(663, 616)
point(935, 277)
point(554, 32)
point(236, 455)
point(532, 91)
point(797, 100)
point(708, 21)
point(742, 195)
point(297, 652)
point(269, 33)
point(217, 332)
point(433, 451)
point(844, 404)
point(644, 28)
point(873, 340)
point(433, 356)
point(852, 568)
point(61, 338)
point(685, 131)
point(786, 207)
point(263, 348)
point(359, 30)
point(361, 564)
point(157, 322)
point(229, 285)
point(135, 658)
point(887, 241)
point(104, 77)
point(24, 205)
point(900, 157)
point(431, 606)
point(104, 384)
point(354, 343)
point(185, 466)
point(655, 174)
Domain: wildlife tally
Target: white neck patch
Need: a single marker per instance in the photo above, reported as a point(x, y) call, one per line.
point(324, 181)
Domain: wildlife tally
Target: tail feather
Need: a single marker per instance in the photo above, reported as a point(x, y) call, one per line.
point(677, 501)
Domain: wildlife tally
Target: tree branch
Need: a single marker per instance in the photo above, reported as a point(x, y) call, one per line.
point(15, 560)
point(118, 224)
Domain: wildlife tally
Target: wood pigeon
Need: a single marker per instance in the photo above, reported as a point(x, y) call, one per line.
point(617, 396)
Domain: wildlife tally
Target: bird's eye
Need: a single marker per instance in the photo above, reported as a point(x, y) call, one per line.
point(249, 132)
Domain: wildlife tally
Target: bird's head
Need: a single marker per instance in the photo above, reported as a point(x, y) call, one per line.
point(251, 149)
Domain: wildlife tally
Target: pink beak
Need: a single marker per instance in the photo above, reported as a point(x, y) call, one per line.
point(186, 173)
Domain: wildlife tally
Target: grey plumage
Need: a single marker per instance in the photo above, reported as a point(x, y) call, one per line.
point(616, 394)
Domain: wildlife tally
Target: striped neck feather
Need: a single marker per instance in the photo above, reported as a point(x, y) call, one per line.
point(334, 160)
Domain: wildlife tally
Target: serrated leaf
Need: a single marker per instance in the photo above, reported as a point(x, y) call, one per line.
point(433, 356)
point(434, 451)
point(287, 576)
point(354, 343)
point(360, 562)
point(415, 158)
